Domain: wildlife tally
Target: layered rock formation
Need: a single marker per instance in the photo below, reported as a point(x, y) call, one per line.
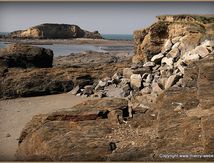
point(55, 31)
point(167, 108)
point(179, 123)
point(24, 56)
point(191, 29)
point(28, 77)
point(178, 126)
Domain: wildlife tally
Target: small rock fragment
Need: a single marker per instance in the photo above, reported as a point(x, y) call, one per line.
point(136, 81)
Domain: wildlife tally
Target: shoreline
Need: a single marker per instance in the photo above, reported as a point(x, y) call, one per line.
point(78, 41)
point(15, 113)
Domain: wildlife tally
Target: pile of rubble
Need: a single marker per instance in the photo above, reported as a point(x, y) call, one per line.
point(162, 71)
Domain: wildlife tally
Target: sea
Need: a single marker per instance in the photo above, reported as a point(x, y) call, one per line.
point(64, 49)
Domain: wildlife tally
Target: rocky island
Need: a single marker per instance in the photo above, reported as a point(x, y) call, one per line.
point(144, 107)
point(54, 31)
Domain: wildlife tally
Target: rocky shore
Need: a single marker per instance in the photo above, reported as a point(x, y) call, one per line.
point(141, 107)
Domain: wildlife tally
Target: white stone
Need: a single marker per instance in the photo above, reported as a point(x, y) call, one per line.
point(178, 108)
point(201, 51)
point(191, 57)
point(181, 68)
point(157, 58)
point(149, 64)
point(176, 45)
point(116, 78)
point(208, 43)
point(168, 61)
point(101, 84)
point(167, 46)
point(136, 81)
point(149, 78)
point(176, 39)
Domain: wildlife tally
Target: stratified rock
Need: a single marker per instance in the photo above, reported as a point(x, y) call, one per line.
point(189, 30)
point(80, 133)
point(24, 56)
point(58, 79)
point(135, 81)
point(55, 31)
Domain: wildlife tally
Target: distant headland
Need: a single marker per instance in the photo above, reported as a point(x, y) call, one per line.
point(54, 31)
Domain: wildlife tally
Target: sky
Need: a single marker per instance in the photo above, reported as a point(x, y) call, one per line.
point(106, 17)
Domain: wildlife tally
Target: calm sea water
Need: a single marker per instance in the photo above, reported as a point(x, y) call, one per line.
point(62, 49)
point(117, 36)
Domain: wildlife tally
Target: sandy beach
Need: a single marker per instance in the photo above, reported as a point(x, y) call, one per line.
point(15, 113)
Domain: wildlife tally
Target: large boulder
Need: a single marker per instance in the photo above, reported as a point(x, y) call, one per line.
point(167, 31)
point(55, 31)
point(25, 56)
point(80, 133)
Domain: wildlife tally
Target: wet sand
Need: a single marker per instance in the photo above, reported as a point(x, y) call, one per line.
point(15, 113)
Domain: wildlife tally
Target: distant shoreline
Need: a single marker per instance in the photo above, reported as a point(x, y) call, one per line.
point(77, 41)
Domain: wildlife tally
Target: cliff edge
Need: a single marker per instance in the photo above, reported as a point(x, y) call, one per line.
point(191, 29)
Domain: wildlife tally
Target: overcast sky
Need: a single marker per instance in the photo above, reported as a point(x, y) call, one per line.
point(107, 18)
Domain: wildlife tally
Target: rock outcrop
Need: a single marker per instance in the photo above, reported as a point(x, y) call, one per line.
point(81, 133)
point(55, 31)
point(67, 73)
point(178, 126)
point(165, 111)
point(159, 37)
point(25, 56)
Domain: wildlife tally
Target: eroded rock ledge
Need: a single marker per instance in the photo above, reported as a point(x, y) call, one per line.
point(192, 29)
point(179, 122)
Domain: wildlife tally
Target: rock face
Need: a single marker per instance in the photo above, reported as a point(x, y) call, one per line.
point(81, 133)
point(55, 31)
point(25, 56)
point(190, 30)
point(166, 104)
point(180, 121)
point(67, 73)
